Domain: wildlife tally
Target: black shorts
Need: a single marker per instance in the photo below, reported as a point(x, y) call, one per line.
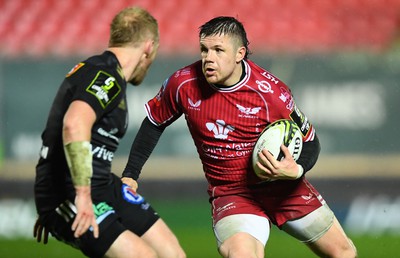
point(117, 208)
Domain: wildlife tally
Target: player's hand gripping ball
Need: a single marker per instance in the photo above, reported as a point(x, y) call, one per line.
point(280, 132)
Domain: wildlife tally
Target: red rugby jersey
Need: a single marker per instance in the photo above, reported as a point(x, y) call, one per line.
point(225, 122)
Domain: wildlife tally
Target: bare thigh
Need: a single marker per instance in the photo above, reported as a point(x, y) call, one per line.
point(242, 245)
point(158, 241)
point(129, 245)
point(242, 235)
point(334, 243)
point(163, 241)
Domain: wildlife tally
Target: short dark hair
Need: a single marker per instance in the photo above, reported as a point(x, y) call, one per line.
point(225, 25)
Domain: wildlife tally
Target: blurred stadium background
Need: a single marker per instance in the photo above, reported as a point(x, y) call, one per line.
point(340, 57)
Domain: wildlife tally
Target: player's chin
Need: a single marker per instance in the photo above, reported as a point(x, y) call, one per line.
point(136, 81)
point(212, 79)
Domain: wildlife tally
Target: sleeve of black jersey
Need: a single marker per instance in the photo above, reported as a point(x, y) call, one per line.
point(89, 84)
point(145, 141)
point(309, 154)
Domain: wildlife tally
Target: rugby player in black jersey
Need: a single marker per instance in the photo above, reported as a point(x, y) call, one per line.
point(78, 199)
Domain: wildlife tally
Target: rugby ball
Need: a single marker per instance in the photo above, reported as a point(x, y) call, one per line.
point(280, 132)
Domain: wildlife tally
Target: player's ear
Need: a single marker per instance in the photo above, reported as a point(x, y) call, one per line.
point(240, 54)
point(149, 48)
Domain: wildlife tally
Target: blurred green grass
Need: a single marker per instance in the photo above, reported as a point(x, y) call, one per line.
point(191, 222)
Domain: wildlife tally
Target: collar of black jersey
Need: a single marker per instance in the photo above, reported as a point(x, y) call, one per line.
point(111, 58)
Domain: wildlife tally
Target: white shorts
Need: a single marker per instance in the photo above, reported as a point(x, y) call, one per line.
point(256, 226)
point(306, 229)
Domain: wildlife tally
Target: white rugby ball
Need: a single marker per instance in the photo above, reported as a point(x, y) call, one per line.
point(280, 132)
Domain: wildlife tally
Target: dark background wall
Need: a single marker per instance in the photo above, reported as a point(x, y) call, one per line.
point(353, 101)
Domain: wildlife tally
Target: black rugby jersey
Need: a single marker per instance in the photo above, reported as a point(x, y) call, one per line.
point(99, 82)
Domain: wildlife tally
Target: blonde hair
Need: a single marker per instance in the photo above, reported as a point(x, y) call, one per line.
point(132, 25)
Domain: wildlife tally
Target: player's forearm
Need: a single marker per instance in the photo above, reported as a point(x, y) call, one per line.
point(79, 159)
point(83, 191)
point(78, 153)
point(77, 126)
point(142, 147)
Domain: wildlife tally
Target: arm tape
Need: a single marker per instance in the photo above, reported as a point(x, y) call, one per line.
point(79, 159)
point(300, 172)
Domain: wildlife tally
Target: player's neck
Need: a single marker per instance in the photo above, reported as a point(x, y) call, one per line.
point(242, 75)
point(128, 58)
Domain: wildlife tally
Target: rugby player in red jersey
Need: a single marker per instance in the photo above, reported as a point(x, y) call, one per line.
point(227, 100)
